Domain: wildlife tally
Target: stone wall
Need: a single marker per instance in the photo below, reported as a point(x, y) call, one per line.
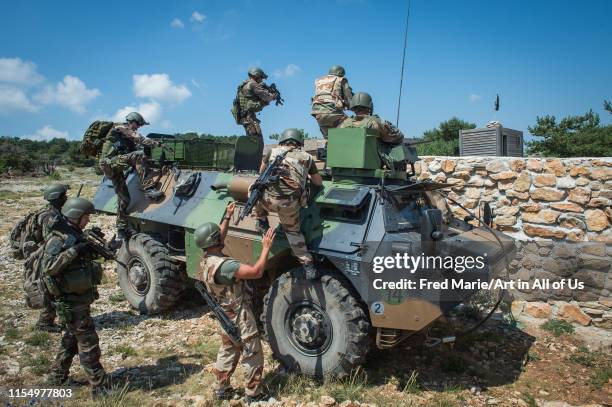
point(558, 210)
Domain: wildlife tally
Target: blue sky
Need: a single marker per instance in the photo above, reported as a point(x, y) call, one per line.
point(66, 63)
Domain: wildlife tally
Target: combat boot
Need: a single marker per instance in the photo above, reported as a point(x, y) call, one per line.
point(48, 327)
point(263, 396)
point(223, 394)
point(262, 225)
point(310, 272)
point(103, 389)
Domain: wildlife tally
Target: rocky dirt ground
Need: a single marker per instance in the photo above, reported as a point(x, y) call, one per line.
point(165, 360)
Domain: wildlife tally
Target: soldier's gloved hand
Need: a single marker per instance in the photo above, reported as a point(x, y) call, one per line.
point(82, 248)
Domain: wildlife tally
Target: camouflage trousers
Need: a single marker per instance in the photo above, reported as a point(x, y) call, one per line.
point(328, 121)
point(113, 169)
point(252, 354)
point(437, 200)
point(288, 210)
point(47, 315)
point(251, 125)
point(79, 337)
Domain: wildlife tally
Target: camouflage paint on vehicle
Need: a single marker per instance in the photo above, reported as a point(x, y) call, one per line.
point(350, 221)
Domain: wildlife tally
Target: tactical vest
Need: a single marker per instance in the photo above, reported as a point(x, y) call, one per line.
point(249, 102)
point(328, 91)
point(385, 132)
point(76, 283)
point(294, 167)
point(116, 143)
point(229, 296)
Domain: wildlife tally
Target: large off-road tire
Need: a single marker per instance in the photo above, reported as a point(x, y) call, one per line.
point(315, 327)
point(149, 277)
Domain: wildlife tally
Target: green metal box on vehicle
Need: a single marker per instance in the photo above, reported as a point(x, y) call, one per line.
point(352, 148)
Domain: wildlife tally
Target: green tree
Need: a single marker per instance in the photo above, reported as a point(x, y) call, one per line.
point(275, 136)
point(444, 140)
point(573, 136)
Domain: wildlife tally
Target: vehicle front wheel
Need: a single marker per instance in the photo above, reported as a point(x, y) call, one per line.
point(315, 327)
point(149, 277)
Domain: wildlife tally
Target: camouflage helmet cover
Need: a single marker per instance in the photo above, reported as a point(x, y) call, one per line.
point(337, 70)
point(207, 235)
point(136, 117)
point(362, 99)
point(74, 208)
point(291, 134)
point(257, 73)
point(55, 192)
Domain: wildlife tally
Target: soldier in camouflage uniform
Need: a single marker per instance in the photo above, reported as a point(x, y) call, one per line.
point(290, 194)
point(332, 96)
point(362, 106)
point(252, 96)
point(120, 154)
point(71, 277)
point(224, 278)
point(39, 227)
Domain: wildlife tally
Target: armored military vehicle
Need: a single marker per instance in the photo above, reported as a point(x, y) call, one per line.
point(368, 210)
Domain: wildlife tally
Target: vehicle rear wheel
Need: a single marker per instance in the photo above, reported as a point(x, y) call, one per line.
point(315, 327)
point(149, 277)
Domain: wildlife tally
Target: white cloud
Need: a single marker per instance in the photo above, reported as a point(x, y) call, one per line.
point(47, 133)
point(159, 86)
point(474, 98)
point(17, 71)
point(195, 83)
point(151, 111)
point(287, 71)
point(71, 93)
point(14, 99)
point(177, 23)
point(197, 17)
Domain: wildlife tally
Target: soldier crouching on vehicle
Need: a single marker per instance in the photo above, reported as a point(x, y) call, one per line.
point(71, 275)
point(120, 153)
point(223, 277)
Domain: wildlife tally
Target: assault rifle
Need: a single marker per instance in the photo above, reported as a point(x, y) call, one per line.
point(267, 178)
point(228, 326)
point(95, 238)
point(272, 88)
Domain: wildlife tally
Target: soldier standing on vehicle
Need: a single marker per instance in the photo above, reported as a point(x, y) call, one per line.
point(290, 194)
point(251, 97)
point(120, 153)
point(223, 277)
point(332, 96)
point(71, 276)
point(362, 106)
point(37, 229)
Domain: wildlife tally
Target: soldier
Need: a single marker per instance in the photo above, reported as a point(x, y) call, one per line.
point(290, 194)
point(251, 97)
point(38, 228)
point(332, 95)
point(224, 277)
point(120, 154)
point(71, 277)
point(362, 106)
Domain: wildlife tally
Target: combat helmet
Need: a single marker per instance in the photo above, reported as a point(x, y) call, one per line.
point(74, 208)
point(291, 134)
point(257, 73)
point(362, 99)
point(207, 235)
point(55, 192)
point(136, 117)
point(337, 70)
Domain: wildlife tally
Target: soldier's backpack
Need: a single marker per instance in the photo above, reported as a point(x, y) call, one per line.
point(36, 294)
point(17, 234)
point(94, 137)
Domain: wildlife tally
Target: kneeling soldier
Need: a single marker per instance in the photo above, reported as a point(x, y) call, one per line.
point(224, 277)
point(71, 276)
